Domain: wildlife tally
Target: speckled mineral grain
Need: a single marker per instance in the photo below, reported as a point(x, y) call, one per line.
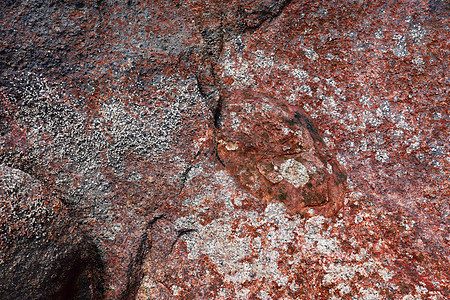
point(224, 149)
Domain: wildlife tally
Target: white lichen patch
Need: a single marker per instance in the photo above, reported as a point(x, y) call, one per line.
point(267, 107)
point(318, 240)
point(417, 33)
point(219, 242)
point(239, 70)
point(249, 247)
point(293, 99)
point(300, 74)
point(329, 106)
point(408, 224)
point(329, 169)
point(311, 54)
point(228, 145)
point(379, 34)
point(294, 172)
point(400, 48)
point(338, 272)
point(262, 60)
point(175, 290)
point(235, 121)
point(418, 60)
point(285, 130)
point(344, 288)
point(382, 155)
point(370, 294)
point(306, 89)
point(385, 274)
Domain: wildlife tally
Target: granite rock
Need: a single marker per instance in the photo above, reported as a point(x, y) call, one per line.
point(207, 150)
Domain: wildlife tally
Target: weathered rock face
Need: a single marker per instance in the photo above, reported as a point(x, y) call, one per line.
point(41, 246)
point(202, 150)
point(277, 154)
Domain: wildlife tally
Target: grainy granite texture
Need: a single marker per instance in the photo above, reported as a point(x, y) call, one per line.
point(240, 150)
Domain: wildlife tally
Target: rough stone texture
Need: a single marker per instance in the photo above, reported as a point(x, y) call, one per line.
point(40, 244)
point(278, 155)
point(239, 150)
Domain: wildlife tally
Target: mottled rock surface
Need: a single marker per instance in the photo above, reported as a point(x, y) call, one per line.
point(240, 150)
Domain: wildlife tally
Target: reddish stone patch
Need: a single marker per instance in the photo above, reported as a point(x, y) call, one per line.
point(276, 153)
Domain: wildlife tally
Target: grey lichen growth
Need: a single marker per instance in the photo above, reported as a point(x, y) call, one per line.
point(294, 172)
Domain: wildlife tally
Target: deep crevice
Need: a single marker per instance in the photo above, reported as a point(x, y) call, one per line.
point(135, 271)
point(268, 17)
point(219, 159)
point(218, 113)
point(186, 172)
point(180, 233)
point(214, 52)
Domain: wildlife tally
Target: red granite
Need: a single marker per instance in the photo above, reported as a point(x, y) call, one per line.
point(238, 150)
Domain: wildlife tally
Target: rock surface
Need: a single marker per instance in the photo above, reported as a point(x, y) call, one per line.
point(208, 150)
